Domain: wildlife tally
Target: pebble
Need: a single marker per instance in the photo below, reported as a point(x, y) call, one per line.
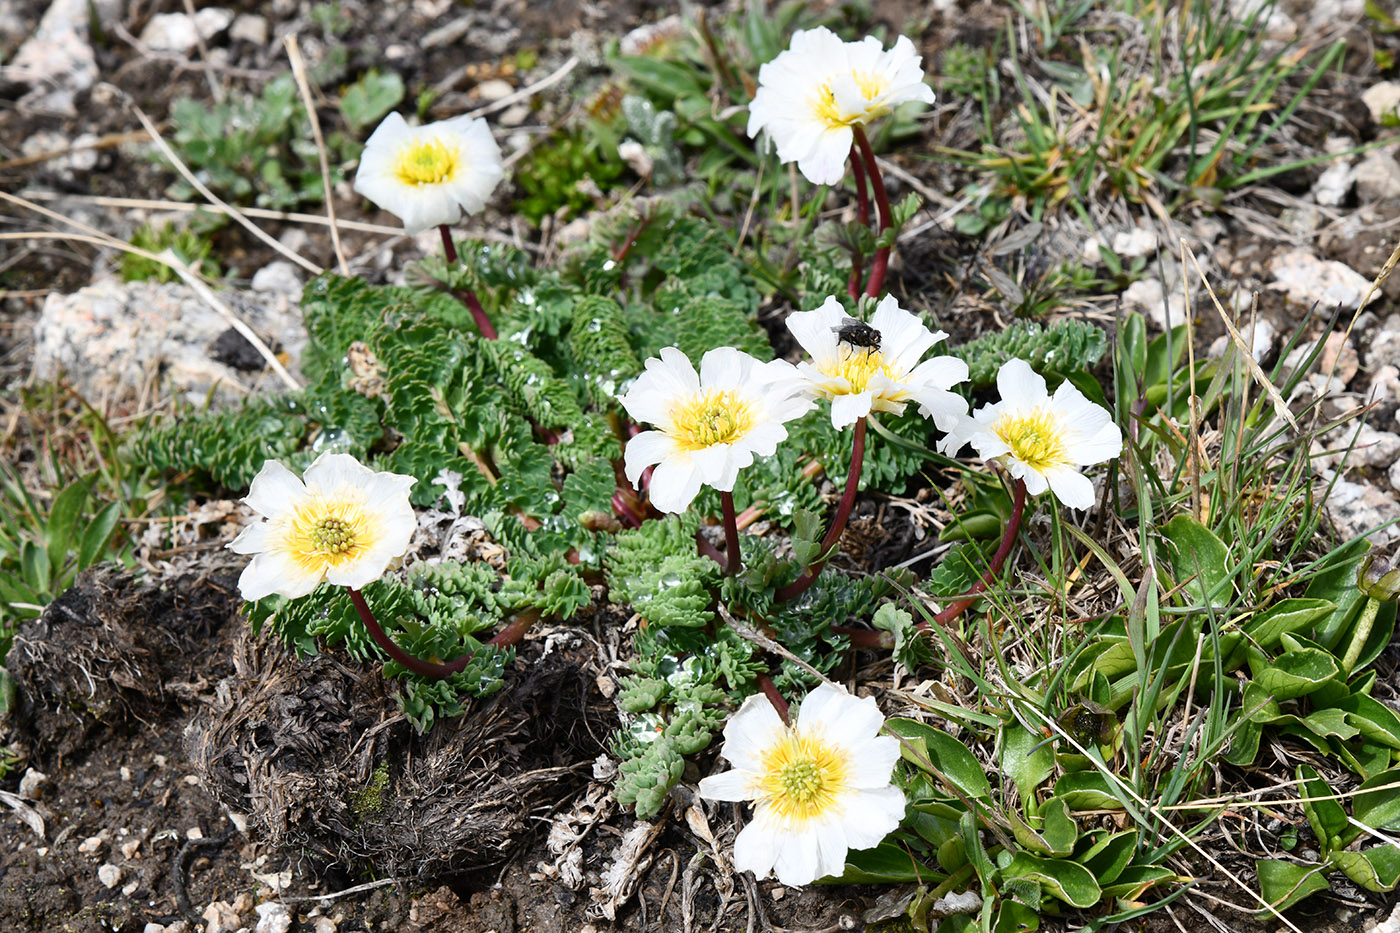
point(1384, 345)
point(323, 925)
point(494, 89)
point(1309, 280)
point(1390, 924)
point(278, 278)
point(1333, 185)
point(1260, 339)
point(1148, 296)
point(1358, 507)
point(249, 27)
point(31, 785)
point(1337, 351)
point(57, 60)
point(273, 918)
point(129, 849)
point(109, 875)
point(180, 32)
point(1372, 448)
point(219, 917)
point(92, 844)
point(1383, 100)
point(1377, 176)
point(130, 888)
point(1130, 244)
point(514, 115)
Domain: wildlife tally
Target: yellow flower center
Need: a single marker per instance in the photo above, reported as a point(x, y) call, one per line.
point(712, 417)
point(327, 531)
point(858, 364)
point(1035, 437)
point(871, 87)
point(426, 162)
point(802, 777)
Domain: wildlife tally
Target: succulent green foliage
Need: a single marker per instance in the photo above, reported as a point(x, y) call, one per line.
point(562, 177)
point(655, 570)
point(1063, 347)
point(187, 244)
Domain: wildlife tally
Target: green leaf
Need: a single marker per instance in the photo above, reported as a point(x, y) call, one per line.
point(1327, 818)
point(1060, 830)
point(58, 532)
point(1372, 718)
point(1069, 881)
point(97, 534)
point(1197, 553)
point(1135, 879)
point(1107, 857)
point(1376, 869)
point(1086, 790)
point(923, 746)
point(1283, 884)
point(1297, 673)
point(369, 99)
point(1286, 616)
point(34, 565)
point(665, 78)
point(887, 863)
point(1381, 808)
point(1015, 917)
point(1027, 758)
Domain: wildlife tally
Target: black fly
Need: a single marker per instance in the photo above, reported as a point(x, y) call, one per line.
point(857, 334)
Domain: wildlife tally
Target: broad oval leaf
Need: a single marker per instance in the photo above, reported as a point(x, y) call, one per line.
point(887, 863)
point(1283, 884)
point(943, 752)
point(1107, 857)
point(1066, 880)
point(1372, 718)
point(1198, 555)
point(1086, 790)
point(1377, 801)
point(1135, 879)
point(1327, 818)
point(1376, 869)
point(1297, 673)
point(1288, 615)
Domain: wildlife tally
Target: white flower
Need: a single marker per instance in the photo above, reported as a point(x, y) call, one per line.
point(429, 175)
point(819, 788)
point(811, 95)
point(862, 379)
point(708, 427)
point(1039, 438)
point(345, 524)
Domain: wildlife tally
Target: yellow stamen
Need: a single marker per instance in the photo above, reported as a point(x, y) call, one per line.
point(712, 417)
point(802, 777)
point(858, 364)
point(871, 87)
point(326, 532)
point(427, 161)
point(1036, 437)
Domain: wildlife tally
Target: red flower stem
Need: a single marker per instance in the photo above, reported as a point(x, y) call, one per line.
point(882, 203)
point(864, 637)
point(621, 255)
point(704, 547)
point(507, 636)
point(448, 247)
point(770, 690)
point(838, 524)
point(1018, 507)
point(731, 533)
point(483, 323)
point(863, 215)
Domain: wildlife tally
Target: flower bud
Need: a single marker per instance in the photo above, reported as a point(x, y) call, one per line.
point(1377, 578)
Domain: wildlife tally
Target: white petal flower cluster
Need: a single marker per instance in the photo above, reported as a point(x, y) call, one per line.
point(1040, 438)
point(343, 523)
point(882, 376)
point(430, 175)
point(811, 95)
point(820, 787)
point(708, 426)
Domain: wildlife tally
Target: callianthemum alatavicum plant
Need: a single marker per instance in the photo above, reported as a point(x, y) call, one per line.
point(341, 523)
point(820, 787)
point(1039, 438)
point(811, 96)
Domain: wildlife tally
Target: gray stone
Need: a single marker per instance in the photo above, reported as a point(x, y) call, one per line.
point(1333, 185)
point(1377, 176)
point(31, 786)
point(119, 338)
point(1260, 339)
point(493, 90)
point(1383, 100)
point(180, 32)
point(249, 27)
point(220, 917)
point(1371, 448)
point(57, 60)
point(109, 875)
point(1384, 346)
point(1358, 507)
point(1148, 296)
point(1309, 280)
point(273, 918)
point(1130, 244)
point(278, 278)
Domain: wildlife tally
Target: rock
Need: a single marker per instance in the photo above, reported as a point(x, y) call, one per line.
point(1358, 507)
point(57, 60)
point(1377, 176)
point(1390, 924)
point(493, 90)
point(278, 278)
point(109, 875)
point(92, 844)
point(114, 336)
point(219, 917)
point(273, 918)
point(323, 925)
point(1372, 448)
point(1130, 244)
point(1383, 100)
point(514, 115)
point(1337, 351)
point(31, 785)
point(180, 32)
point(1309, 280)
point(1385, 385)
point(1150, 297)
point(130, 848)
point(1333, 185)
point(250, 28)
point(1301, 220)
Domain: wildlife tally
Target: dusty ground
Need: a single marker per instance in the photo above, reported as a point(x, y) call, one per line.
point(127, 688)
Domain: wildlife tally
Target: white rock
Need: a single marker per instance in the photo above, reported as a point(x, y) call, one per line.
point(323, 925)
point(154, 928)
point(495, 89)
point(1390, 924)
point(1309, 280)
point(1130, 244)
point(219, 917)
point(1092, 253)
point(1301, 220)
point(31, 785)
point(179, 32)
point(514, 115)
point(57, 60)
point(130, 887)
point(1148, 296)
point(279, 277)
point(1338, 357)
point(1383, 100)
point(1333, 185)
point(115, 336)
point(1260, 339)
point(109, 875)
point(1385, 385)
point(273, 918)
point(1359, 507)
point(249, 27)
point(1377, 176)
point(1372, 448)
point(92, 844)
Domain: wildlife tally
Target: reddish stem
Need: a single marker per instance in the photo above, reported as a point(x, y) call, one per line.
point(483, 323)
point(863, 215)
point(623, 509)
point(770, 690)
point(705, 548)
point(448, 247)
point(731, 533)
point(1018, 507)
point(509, 635)
point(864, 637)
point(882, 203)
point(621, 255)
point(838, 524)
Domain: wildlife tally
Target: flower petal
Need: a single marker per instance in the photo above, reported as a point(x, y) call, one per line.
point(732, 785)
point(1070, 486)
point(674, 485)
point(644, 450)
point(274, 490)
point(1020, 386)
point(271, 572)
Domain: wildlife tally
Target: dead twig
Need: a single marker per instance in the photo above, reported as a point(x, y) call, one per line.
point(304, 86)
